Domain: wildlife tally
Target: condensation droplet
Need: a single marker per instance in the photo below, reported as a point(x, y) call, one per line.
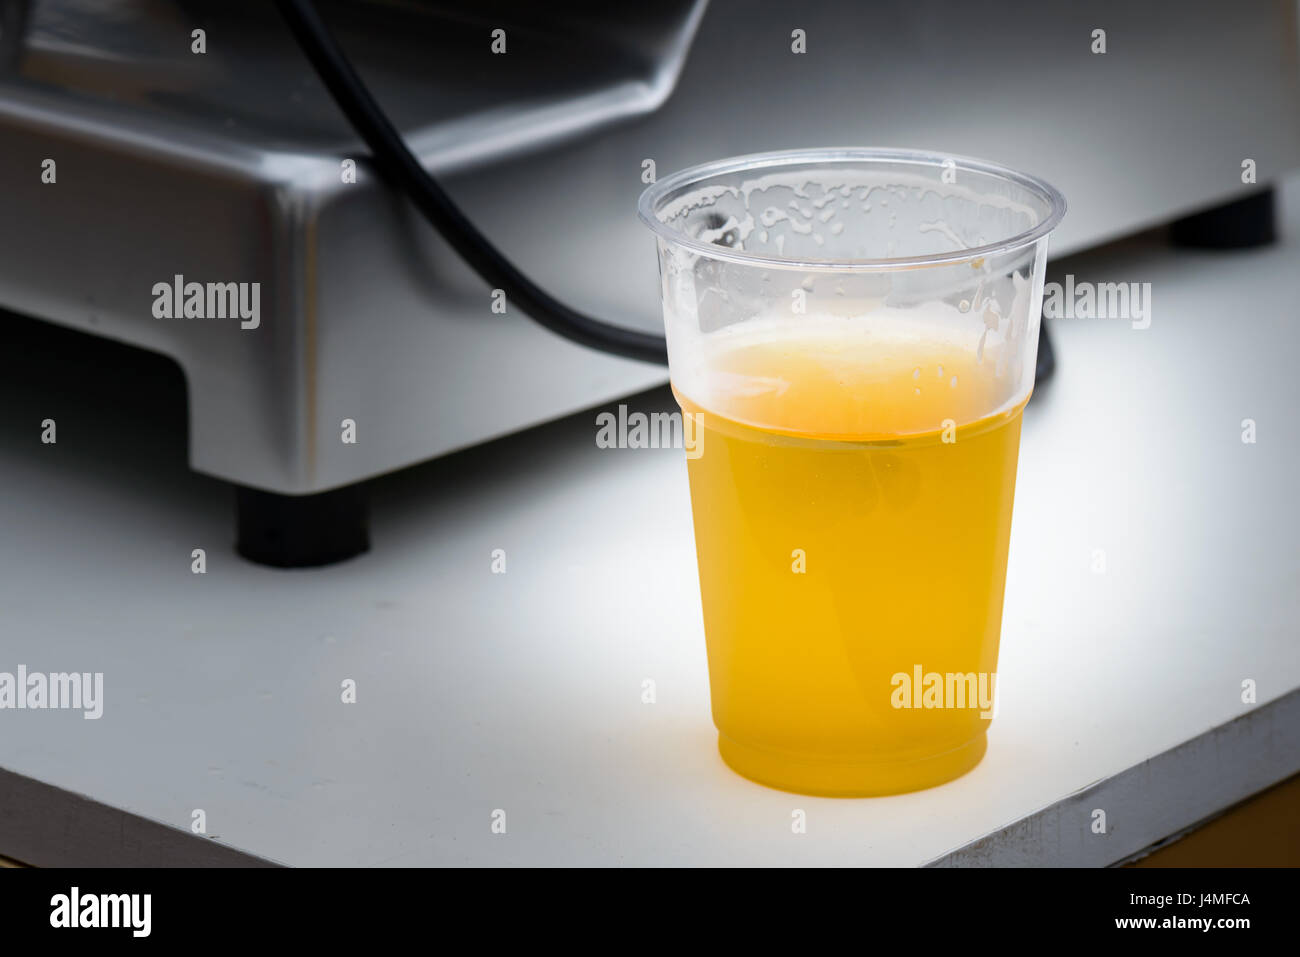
point(940, 372)
point(916, 391)
point(963, 306)
point(916, 373)
point(953, 383)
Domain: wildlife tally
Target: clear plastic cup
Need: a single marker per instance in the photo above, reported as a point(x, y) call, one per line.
point(852, 335)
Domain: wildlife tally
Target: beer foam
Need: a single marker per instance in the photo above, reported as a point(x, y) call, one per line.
point(874, 373)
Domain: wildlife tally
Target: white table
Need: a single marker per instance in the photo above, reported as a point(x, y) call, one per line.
point(522, 691)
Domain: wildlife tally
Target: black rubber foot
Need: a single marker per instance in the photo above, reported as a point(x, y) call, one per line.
point(1237, 225)
point(1046, 363)
point(302, 531)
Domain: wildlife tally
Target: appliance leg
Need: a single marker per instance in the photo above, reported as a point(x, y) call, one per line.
point(1046, 359)
point(1237, 225)
point(301, 531)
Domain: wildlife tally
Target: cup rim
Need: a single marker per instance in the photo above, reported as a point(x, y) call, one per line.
point(653, 194)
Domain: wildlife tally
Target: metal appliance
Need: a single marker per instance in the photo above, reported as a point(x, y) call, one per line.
point(193, 139)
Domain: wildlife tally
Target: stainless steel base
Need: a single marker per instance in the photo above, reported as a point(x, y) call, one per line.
point(227, 167)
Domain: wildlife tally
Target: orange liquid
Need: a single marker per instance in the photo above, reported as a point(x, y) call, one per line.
point(852, 509)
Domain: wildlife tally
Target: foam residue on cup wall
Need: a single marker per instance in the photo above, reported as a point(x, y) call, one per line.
point(880, 275)
point(884, 373)
point(844, 216)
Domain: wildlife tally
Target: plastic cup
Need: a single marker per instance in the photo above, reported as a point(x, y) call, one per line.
point(852, 337)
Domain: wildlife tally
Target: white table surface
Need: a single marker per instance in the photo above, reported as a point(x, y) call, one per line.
point(522, 691)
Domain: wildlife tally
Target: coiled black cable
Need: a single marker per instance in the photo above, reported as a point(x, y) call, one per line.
point(397, 164)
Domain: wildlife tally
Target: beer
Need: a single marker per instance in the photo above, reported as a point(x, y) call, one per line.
point(852, 506)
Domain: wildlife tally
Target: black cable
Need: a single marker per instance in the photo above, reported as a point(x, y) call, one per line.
point(399, 166)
